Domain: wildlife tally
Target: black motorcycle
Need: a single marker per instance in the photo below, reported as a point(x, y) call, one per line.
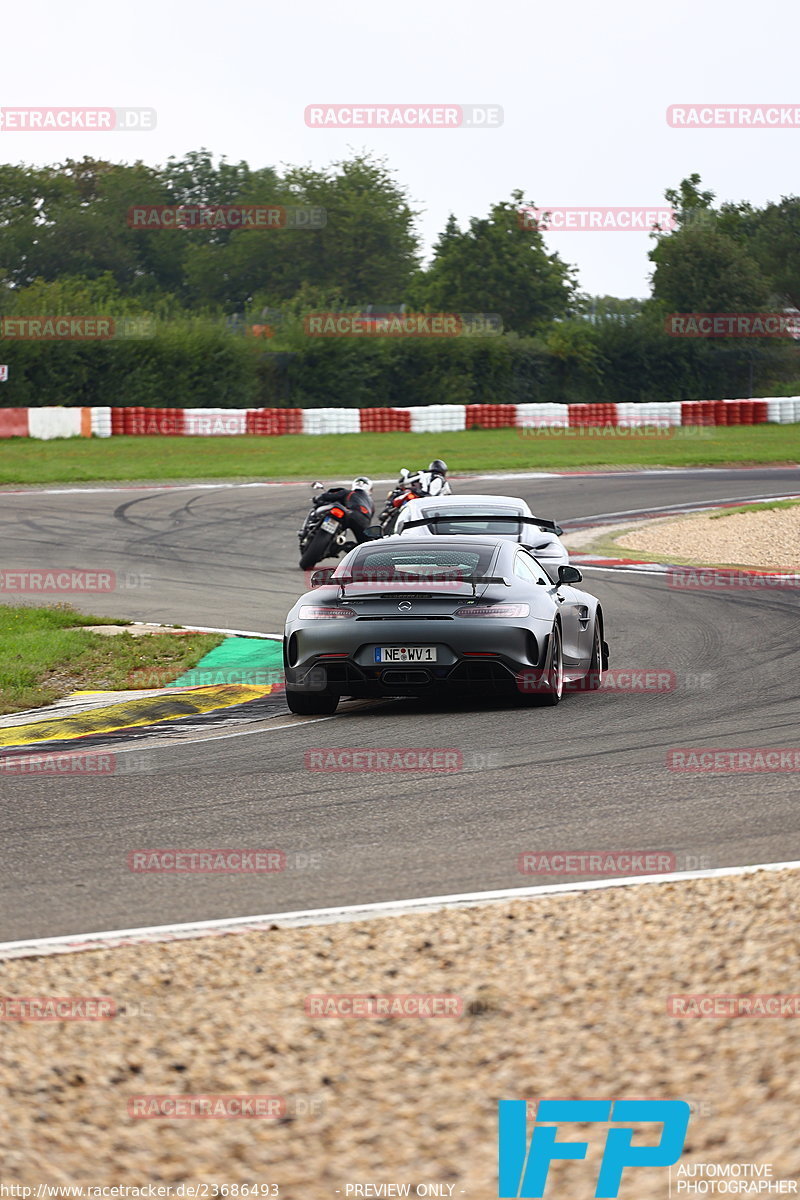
point(333, 515)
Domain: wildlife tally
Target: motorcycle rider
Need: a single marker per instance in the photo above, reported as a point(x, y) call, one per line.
point(357, 500)
point(432, 482)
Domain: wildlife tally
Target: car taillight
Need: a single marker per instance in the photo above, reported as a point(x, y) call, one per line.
point(318, 612)
point(337, 512)
point(505, 611)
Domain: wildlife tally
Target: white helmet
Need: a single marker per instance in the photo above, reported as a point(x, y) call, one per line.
point(361, 484)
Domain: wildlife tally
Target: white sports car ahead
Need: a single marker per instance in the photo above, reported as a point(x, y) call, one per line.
point(499, 516)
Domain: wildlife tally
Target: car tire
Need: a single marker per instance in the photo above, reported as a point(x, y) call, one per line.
point(316, 549)
point(593, 680)
point(311, 704)
point(549, 687)
point(555, 671)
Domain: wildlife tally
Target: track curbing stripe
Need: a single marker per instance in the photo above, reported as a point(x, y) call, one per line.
point(130, 714)
point(147, 935)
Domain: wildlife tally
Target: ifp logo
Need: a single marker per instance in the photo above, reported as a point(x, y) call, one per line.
point(523, 1169)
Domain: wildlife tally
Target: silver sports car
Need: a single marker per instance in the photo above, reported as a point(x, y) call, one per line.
point(477, 516)
point(406, 616)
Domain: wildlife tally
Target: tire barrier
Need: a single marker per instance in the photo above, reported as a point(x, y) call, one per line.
point(582, 415)
point(14, 422)
point(272, 422)
point(491, 416)
point(57, 422)
point(385, 420)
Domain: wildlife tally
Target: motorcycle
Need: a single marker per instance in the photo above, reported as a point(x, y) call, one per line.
point(408, 487)
point(325, 530)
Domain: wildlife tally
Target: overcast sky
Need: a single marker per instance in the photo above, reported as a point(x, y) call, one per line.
point(584, 89)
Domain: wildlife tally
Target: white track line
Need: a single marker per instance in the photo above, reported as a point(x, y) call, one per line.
point(72, 943)
point(213, 629)
point(689, 507)
point(189, 487)
point(647, 569)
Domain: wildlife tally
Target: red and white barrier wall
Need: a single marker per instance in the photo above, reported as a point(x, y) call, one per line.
point(431, 418)
point(47, 422)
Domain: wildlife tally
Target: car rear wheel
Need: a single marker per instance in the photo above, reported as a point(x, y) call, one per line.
point(593, 680)
point(548, 688)
point(311, 704)
point(554, 678)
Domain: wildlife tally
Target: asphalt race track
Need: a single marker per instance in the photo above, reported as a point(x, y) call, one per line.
point(587, 775)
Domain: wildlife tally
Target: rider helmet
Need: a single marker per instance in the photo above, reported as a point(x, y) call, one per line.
point(438, 467)
point(361, 483)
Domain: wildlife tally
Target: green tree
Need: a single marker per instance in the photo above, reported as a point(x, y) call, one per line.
point(690, 204)
point(497, 265)
point(772, 236)
point(700, 269)
point(366, 252)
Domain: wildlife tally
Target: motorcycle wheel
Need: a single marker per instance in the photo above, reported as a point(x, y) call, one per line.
point(318, 548)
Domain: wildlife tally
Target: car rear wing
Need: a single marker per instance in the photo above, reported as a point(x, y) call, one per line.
point(539, 522)
point(455, 578)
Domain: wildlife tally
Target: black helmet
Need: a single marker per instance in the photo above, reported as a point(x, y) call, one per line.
point(438, 467)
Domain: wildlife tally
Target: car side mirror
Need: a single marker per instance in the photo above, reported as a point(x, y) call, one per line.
point(373, 532)
point(569, 575)
point(321, 577)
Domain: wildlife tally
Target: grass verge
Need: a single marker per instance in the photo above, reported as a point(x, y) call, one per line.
point(44, 655)
point(767, 506)
point(83, 460)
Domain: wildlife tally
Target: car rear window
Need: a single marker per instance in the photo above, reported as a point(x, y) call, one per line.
point(396, 563)
point(482, 522)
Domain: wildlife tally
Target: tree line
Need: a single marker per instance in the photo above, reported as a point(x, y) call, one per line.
point(215, 315)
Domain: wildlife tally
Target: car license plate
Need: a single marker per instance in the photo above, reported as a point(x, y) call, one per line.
point(405, 654)
point(330, 525)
